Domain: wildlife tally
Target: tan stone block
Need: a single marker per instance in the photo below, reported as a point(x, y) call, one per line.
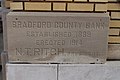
point(113, 6)
point(58, 0)
point(31, 71)
point(59, 6)
point(114, 39)
point(112, 0)
point(80, 7)
point(98, 0)
point(114, 31)
point(37, 6)
point(16, 6)
point(108, 71)
point(19, 0)
point(115, 23)
point(81, 0)
point(113, 51)
point(100, 7)
point(115, 15)
point(0, 59)
point(49, 37)
point(7, 4)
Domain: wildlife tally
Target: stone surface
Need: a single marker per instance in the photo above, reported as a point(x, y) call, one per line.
point(113, 6)
point(108, 71)
point(80, 0)
point(37, 0)
point(37, 6)
point(19, 0)
point(113, 51)
point(1, 45)
point(114, 39)
point(80, 7)
point(31, 72)
point(59, 6)
point(58, 0)
point(7, 4)
point(57, 37)
point(100, 7)
point(16, 6)
point(115, 23)
point(1, 29)
point(1, 75)
point(1, 42)
point(98, 0)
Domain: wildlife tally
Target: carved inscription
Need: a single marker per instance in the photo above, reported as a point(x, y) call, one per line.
point(59, 25)
point(51, 36)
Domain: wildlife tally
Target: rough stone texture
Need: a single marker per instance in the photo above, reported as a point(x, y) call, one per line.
point(31, 72)
point(57, 37)
point(108, 71)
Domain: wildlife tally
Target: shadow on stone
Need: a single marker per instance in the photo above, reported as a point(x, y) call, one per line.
point(0, 68)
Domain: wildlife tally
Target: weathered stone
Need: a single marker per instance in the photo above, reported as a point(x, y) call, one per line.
point(57, 37)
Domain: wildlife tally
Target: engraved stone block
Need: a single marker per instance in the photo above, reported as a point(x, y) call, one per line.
point(31, 72)
point(57, 37)
point(108, 71)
